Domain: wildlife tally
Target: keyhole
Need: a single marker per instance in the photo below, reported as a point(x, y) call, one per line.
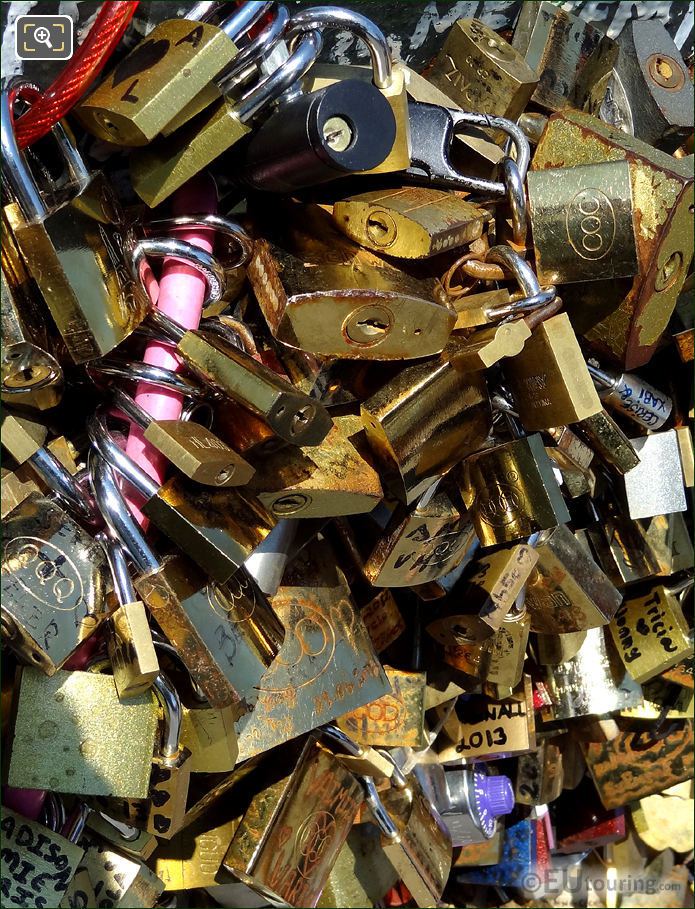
point(665, 71)
point(381, 228)
point(337, 133)
point(368, 325)
point(301, 419)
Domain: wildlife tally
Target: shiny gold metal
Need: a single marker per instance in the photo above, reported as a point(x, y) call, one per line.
point(319, 481)
point(549, 378)
point(198, 453)
point(651, 634)
point(571, 446)
point(424, 421)
point(487, 346)
point(421, 545)
point(482, 72)
point(382, 619)
point(343, 301)
point(209, 734)
point(577, 482)
point(685, 445)
point(226, 634)
point(583, 222)
point(324, 74)
point(393, 720)
point(21, 436)
point(193, 857)
point(76, 255)
point(70, 732)
point(539, 775)
point(105, 870)
point(410, 222)
point(474, 309)
point(53, 583)
point(15, 487)
point(609, 441)
point(361, 875)
point(133, 658)
point(625, 319)
point(157, 79)
point(495, 657)
point(567, 591)
point(511, 492)
point(37, 864)
point(293, 830)
point(289, 414)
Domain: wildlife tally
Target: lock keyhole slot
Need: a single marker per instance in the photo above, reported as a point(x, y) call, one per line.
point(368, 325)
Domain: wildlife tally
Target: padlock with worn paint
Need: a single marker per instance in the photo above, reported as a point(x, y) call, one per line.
point(608, 440)
point(539, 775)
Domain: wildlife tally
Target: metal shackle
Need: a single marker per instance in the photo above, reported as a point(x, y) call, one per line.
point(118, 566)
point(168, 697)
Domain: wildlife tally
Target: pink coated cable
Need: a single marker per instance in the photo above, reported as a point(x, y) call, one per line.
point(27, 802)
point(180, 296)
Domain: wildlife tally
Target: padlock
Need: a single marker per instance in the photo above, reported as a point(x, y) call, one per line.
point(113, 878)
point(551, 649)
point(409, 222)
point(127, 840)
point(511, 492)
point(539, 775)
point(320, 136)
point(608, 441)
point(74, 251)
point(646, 91)
point(424, 421)
point(69, 734)
point(38, 864)
point(292, 830)
point(157, 171)
point(394, 720)
point(482, 72)
point(158, 79)
point(318, 481)
point(517, 862)
point(624, 319)
point(414, 838)
point(326, 665)
point(16, 486)
point(567, 591)
point(419, 545)
point(225, 634)
point(360, 876)
point(650, 633)
point(129, 640)
point(483, 348)
point(217, 528)
point(659, 456)
point(549, 379)
point(388, 77)
point(579, 232)
point(53, 583)
point(31, 374)
point(559, 46)
point(209, 734)
point(365, 307)
point(190, 447)
point(631, 396)
point(290, 414)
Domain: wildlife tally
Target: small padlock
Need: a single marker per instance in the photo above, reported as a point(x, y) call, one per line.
point(292, 830)
point(388, 77)
point(393, 720)
point(539, 775)
point(53, 583)
point(16, 486)
point(650, 633)
point(157, 171)
point(481, 72)
point(226, 634)
point(608, 441)
point(69, 734)
point(288, 413)
point(74, 251)
point(631, 396)
point(659, 455)
point(129, 640)
point(411, 222)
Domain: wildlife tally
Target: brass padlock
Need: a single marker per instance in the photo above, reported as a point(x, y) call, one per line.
point(192, 858)
point(567, 591)
point(608, 441)
point(496, 581)
point(293, 829)
point(626, 318)
point(549, 379)
point(482, 72)
point(209, 734)
point(411, 222)
point(69, 734)
point(75, 251)
point(422, 422)
point(37, 863)
point(16, 486)
point(539, 775)
point(349, 304)
point(53, 583)
point(650, 633)
point(393, 720)
point(413, 836)
point(129, 642)
point(511, 492)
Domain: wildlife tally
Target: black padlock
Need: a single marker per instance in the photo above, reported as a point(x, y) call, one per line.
point(341, 129)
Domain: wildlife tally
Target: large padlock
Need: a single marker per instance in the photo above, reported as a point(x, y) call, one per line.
point(74, 250)
point(626, 318)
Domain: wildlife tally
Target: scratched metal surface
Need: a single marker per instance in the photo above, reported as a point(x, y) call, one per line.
point(415, 29)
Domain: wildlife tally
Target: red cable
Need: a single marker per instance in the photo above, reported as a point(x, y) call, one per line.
point(69, 86)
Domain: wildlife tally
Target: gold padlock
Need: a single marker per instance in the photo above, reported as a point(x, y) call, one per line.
point(393, 720)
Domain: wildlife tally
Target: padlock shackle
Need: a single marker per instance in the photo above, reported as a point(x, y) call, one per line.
point(118, 566)
point(66, 487)
point(168, 697)
point(285, 76)
point(381, 816)
point(170, 247)
point(161, 643)
point(512, 261)
point(153, 375)
point(220, 225)
point(73, 828)
point(336, 17)
point(244, 18)
point(115, 511)
point(257, 49)
point(53, 814)
point(130, 407)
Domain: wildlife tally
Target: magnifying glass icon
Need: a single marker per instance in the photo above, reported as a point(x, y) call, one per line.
point(43, 36)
